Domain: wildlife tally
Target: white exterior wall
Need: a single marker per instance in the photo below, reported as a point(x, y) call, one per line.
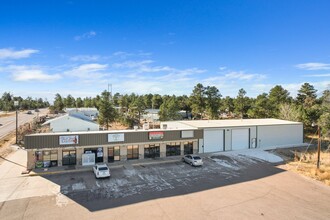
point(279, 135)
point(73, 124)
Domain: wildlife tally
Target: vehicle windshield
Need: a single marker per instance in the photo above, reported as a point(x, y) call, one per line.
point(103, 168)
point(197, 158)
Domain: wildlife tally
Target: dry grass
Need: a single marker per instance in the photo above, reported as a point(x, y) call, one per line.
point(6, 114)
point(5, 146)
point(305, 164)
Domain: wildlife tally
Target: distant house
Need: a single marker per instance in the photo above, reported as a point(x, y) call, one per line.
point(151, 115)
point(72, 122)
point(92, 113)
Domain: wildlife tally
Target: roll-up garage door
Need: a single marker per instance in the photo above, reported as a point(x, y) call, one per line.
point(240, 139)
point(213, 140)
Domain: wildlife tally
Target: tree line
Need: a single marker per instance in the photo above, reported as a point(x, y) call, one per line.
point(206, 102)
point(7, 102)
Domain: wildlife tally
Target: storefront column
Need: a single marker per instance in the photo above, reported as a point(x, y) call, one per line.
point(59, 157)
point(123, 153)
point(182, 148)
point(105, 154)
point(141, 151)
point(30, 160)
point(195, 147)
point(162, 150)
point(79, 152)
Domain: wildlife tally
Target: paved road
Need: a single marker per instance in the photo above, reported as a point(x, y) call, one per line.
point(9, 123)
point(226, 187)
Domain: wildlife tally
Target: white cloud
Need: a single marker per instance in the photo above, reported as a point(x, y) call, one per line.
point(221, 68)
point(31, 73)
point(86, 35)
point(314, 66)
point(318, 75)
point(241, 75)
point(132, 64)
point(9, 53)
point(88, 73)
point(85, 58)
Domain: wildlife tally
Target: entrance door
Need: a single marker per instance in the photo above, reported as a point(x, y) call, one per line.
point(98, 152)
point(69, 157)
point(113, 154)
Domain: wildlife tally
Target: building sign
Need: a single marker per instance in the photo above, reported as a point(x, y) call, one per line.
point(156, 135)
point(88, 159)
point(72, 139)
point(116, 137)
point(100, 152)
point(187, 134)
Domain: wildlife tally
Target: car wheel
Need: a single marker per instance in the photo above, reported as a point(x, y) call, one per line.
point(191, 164)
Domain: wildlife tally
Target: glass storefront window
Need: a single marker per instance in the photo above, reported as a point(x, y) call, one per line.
point(132, 152)
point(188, 147)
point(113, 154)
point(69, 157)
point(151, 150)
point(46, 158)
point(173, 149)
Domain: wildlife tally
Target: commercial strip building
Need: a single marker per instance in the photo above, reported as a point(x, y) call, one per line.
point(174, 138)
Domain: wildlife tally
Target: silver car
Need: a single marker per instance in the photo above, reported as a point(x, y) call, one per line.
point(193, 160)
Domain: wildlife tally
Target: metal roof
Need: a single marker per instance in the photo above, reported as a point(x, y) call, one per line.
point(228, 123)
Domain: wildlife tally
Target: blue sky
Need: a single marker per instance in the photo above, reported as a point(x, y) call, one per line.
point(166, 47)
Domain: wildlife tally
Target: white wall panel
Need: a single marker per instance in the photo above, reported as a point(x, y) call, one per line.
point(277, 135)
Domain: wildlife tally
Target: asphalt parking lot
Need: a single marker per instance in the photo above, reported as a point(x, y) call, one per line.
point(131, 184)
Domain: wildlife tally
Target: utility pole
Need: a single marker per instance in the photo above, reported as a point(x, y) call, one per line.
point(318, 146)
point(16, 105)
point(110, 85)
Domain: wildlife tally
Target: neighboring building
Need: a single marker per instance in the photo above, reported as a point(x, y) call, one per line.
point(174, 138)
point(92, 113)
point(151, 115)
point(72, 122)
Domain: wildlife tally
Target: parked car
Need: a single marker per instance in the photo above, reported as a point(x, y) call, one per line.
point(37, 110)
point(193, 160)
point(101, 171)
point(29, 113)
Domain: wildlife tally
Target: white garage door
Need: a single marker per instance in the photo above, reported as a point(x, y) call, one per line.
point(240, 139)
point(213, 140)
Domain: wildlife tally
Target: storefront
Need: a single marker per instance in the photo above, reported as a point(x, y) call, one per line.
point(132, 152)
point(188, 147)
point(46, 158)
point(113, 154)
point(69, 157)
point(173, 149)
point(98, 153)
point(89, 148)
point(151, 150)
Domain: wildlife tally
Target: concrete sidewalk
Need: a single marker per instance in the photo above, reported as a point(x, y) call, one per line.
point(119, 164)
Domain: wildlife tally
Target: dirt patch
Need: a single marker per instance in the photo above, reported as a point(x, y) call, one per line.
point(303, 161)
point(5, 146)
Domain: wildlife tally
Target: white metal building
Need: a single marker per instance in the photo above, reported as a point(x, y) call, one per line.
point(226, 135)
point(72, 122)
